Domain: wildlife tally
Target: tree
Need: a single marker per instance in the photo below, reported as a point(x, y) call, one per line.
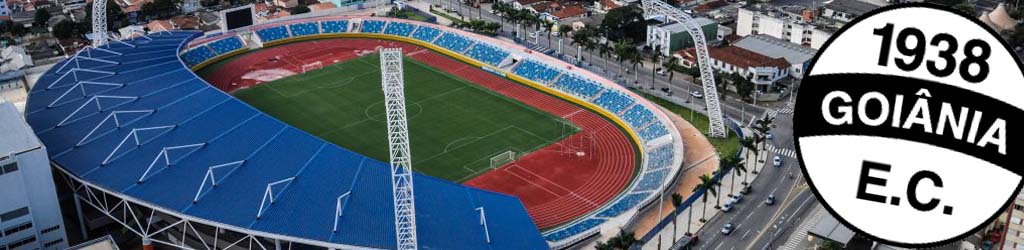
point(64, 29)
point(42, 17)
point(744, 87)
point(728, 164)
point(677, 201)
point(299, 9)
point(670, 66)
point(621, 241)
point(750, 145)
point(625, 22)
point(709, 186)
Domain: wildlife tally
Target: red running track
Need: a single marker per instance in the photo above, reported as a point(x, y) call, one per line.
point(556, 187)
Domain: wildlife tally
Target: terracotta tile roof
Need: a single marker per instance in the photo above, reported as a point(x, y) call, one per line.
point(160, 25)
point(709, 6)
point(260, 7)
point(609, 4)
point(528, 2)
point(186, 22)
point(738, 57)
point(569, 11)
point(322, 6)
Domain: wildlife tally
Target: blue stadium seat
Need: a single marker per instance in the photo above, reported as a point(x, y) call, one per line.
point(535, 71)
point(399, 29)
point(659, 158)
point(372, 26)
point(273, 33)
point(304, 29)
point(453, 42)
point(652, 180)
point(624, 204)
point(653, 131)
point(582, 88)
point(334, 26)
point(638, 116)
point(487, 54)
point(226, 45)
point(426, 34)
point(574, 229)
point(198, 55)
point(614, 101)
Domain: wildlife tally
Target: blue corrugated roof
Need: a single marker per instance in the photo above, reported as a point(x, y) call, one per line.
point(151, 104)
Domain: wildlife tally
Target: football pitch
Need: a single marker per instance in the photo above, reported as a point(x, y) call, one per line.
point(455, 126)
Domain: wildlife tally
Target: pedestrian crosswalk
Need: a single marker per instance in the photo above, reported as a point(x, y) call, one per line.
point(800, 235)
point(782, 151)
point(776, 112)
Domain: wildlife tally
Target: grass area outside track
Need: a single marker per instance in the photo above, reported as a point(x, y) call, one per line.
point(728, 146)
point(455, 126)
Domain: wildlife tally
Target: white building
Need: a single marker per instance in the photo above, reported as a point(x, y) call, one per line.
point(672, 36)
point(799, 57)
point(4, 10)
point(844, 11)
point(790, 25)
point(30, 216)
point(762, 70)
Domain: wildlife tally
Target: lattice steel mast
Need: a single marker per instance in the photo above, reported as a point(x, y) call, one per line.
point(99, 23)
point(707, 76)
point(398, 142)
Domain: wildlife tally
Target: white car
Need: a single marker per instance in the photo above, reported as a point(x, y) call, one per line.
point(736, 198)
point(728, 228)
point(777, 161)
point(697, 94)
point(727, 207)
point(768, 136)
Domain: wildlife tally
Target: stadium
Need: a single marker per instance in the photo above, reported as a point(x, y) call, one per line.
point(253, 140)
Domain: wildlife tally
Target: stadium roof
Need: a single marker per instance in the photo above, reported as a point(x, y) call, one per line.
point(143, 125)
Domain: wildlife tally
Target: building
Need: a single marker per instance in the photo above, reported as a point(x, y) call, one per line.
point(840, 12)
point(762, 70)
point(789, 24)
point(4, 10)
point(799, 57)
point(672, 36)
point(1013, 219)
point(30, 215)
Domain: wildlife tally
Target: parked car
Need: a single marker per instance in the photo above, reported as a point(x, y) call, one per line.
point(697, 94)
point(768, 136)
point(771, 200)
point(736, 198)
point(662, 72)
point(728, 228)
point(727, 206)
point(777, 161)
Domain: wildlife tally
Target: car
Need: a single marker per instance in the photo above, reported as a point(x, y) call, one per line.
point(697, 94)
point(727, 206)
point(745, 190)
point(771, 200)
point(728, 228)
point(662, 72)
point(777, 161)
point(736, 198)
point(768, 136)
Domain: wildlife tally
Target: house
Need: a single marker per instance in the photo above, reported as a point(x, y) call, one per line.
point(709, 7)
point(672, 36)
point(521, 4)
point(286, 3)
point(322, 6)
point(604, 6)
point(568, 12)
point(799, 57)
point(175, 23)
point(762, 70)
point(844, 11)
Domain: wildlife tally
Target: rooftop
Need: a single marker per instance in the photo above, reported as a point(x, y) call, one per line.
point(17, 135)
point(774, 47)
point(855, 7)
point(738, 57)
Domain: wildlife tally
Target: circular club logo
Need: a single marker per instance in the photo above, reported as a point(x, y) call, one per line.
point(905, 125)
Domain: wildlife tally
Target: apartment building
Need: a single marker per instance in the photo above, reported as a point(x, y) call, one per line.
point(791, 24)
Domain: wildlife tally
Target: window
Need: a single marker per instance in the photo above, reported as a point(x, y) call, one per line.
point(18, 228)
point(23, 242)
point(14, 214)
point(1018, 207)
point(8, 168)
point(50, 229)
point(1015, 220)
point(53, 243)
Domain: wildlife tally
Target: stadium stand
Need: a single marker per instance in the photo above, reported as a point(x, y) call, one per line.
point(182, 110)
point(487, 54)
point(399, 29)
point(625, 203)
point(226, 45)
point(372, 26)
point(273, 33)
point(574, 229)
point(198, 55)
point(453, 42)
point(334, 26)
point(638, 116)
point(582, 88)
point(426, 33)
point(535, 71)
point(614, 101)
point(659, 158)
point(304, 29)
point(651, 180)
point(653, 131)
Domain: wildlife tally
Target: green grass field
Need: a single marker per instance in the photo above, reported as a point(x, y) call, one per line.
point(455, 126)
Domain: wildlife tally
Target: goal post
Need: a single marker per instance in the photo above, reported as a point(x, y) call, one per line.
point(312, 66)
point(503, 158)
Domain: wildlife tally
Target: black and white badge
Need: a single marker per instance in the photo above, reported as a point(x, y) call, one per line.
point(906, 125)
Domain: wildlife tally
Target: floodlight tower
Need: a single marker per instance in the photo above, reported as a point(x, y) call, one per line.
point(398, 142)
point(707, 74)
point(99, 23)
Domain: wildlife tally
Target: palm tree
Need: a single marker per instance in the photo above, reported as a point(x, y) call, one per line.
point(758, 138)
point(637, 59)
point(670, 65)
point(725, 164)
point(621, 241)
point(656, 59)
point(603, 50)
point(762, 126)
point(740, 168)
point(677, 201)
point(749, 144)
point(502, 9)
point(708, 184)
point(580, 38)
point(622, 50)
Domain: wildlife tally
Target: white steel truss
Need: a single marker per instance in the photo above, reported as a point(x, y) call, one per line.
point(707, 74)
point(99, 23)
point(212, 177)
point(269, 193)
point(393, 83)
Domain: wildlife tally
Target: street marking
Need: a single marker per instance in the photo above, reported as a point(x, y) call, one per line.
point(782, 151)
point(745, 234)
point(719, 245)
